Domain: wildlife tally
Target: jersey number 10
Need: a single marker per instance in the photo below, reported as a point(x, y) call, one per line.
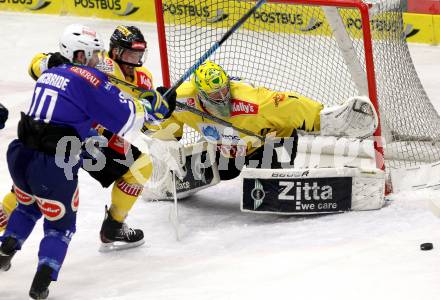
point(39, 103)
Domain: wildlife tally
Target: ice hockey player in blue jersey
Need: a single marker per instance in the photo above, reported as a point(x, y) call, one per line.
point(44, 160)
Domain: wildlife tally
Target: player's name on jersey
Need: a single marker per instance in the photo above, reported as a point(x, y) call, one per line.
point(54, 80)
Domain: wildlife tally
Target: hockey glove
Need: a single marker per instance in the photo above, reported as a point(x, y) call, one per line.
point(3, 116)
point(56, 59)
point(170, 99)
point(158, 108)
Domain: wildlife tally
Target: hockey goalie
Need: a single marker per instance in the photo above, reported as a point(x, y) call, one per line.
point(222, 153)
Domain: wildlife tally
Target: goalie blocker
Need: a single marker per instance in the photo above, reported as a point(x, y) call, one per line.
point(311, 191)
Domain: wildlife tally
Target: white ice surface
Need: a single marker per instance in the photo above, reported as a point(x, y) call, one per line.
point(223, 254)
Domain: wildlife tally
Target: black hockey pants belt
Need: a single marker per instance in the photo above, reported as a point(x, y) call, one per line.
point(43, 137)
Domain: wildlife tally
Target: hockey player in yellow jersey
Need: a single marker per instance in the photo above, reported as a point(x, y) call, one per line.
point(124, 60)
point(263, 112)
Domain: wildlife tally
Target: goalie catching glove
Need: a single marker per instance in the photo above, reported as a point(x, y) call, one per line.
point(355, 118)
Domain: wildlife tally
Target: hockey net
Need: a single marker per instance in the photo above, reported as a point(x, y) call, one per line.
point(326, 50)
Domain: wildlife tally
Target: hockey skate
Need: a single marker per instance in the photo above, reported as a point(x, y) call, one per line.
point(40, 284)
point(118, 236)
point(7, 252)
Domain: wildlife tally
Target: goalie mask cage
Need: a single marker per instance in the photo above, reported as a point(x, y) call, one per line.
point(326, 50)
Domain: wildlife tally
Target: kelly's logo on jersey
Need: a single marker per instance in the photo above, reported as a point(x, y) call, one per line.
point(240, 107)
point(90, 77)
point(144, 81)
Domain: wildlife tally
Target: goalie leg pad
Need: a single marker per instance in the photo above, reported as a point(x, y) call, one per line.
point(311, 191)
point(201, 172)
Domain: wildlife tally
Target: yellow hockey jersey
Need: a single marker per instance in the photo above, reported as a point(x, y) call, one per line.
point(256, 109)
point(142, 77)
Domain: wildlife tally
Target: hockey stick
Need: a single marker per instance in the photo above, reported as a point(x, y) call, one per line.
point(200, 61)
point(174, 212)
point(191, 109)
point(434, 206)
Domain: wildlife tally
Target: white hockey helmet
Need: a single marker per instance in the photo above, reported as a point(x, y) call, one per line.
point(79, 37)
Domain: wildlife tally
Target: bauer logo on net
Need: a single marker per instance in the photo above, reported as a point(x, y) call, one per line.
point(297, 195)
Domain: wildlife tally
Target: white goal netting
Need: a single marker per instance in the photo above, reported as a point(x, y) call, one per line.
point(286, 46)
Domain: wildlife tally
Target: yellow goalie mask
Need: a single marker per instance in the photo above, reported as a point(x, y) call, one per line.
point(212, 84)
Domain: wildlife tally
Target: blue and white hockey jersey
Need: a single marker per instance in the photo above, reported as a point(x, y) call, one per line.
point(78, 96)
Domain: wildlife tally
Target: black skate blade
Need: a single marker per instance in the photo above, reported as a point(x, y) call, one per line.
point(117, 246)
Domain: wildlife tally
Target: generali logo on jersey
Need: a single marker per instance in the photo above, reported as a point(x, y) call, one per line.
point(240, 107)
point(90, 77)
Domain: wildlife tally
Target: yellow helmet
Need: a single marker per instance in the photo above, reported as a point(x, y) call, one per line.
point(212, 84)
